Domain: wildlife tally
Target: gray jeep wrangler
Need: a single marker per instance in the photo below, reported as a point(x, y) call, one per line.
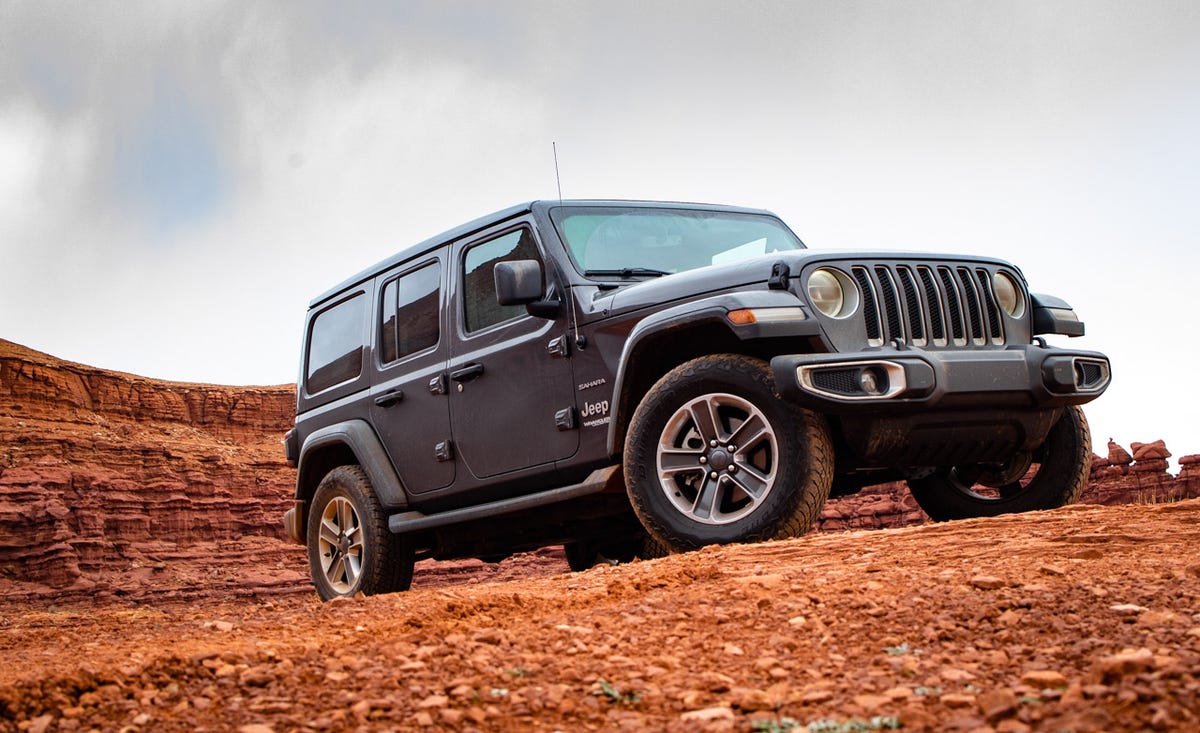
point(628, 378)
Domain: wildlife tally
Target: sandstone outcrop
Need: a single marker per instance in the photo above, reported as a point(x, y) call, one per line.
point(104, 473)
point(1123, 478)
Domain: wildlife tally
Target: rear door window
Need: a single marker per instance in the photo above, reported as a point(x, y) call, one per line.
point(410, 318)
point(335, 345)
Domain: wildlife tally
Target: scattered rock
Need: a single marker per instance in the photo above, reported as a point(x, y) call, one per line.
point(987, 582)
point(871, 703)
point(816, 697)
point(39, 724)
point(1129, 661)
point(1043, 679)
point(958, 700)
point(707, 714)
point(752, 700)
point(997, 704)
point(434, 701)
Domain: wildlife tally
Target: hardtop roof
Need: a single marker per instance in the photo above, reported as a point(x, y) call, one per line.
point(483, 222)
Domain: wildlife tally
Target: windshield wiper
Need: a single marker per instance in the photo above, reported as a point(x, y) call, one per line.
point(628, 272)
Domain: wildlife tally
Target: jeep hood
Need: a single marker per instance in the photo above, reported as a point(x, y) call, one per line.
point(753, 271)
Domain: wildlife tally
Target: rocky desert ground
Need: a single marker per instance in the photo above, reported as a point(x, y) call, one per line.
point(144, 586)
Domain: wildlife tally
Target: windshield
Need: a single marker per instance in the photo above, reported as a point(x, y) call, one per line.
point(614, 241)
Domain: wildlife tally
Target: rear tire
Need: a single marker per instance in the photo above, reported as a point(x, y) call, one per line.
point(719, 415)
point(350, 548)
point(1054, 475)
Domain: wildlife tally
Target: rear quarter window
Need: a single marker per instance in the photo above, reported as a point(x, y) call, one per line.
point(335, 345)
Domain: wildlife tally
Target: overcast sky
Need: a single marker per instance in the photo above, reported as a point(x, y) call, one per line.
point(179, 179)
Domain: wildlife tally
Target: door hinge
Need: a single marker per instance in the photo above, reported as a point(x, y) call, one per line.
point(444, 451)
point(559, 346)
point(564, 419)
point(437, 385)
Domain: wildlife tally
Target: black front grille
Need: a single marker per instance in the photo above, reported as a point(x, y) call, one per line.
point(929, 305)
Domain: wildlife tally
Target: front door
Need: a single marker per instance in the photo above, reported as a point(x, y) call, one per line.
point(409, 407)
point(511, 396)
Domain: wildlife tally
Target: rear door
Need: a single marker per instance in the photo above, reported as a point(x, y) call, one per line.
point(408, 405)
point(511, 392)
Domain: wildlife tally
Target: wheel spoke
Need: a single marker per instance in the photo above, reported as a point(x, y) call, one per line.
point(704, 415)
point(329, 531)
point(706, 500)
point(336, 571)
point(346, 517)
point(750, 432)
point(749, 480)
point(672, 461)
point(353, 563)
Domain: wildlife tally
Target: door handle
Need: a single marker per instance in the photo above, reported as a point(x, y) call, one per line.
point(389, 398)
point(467, 373)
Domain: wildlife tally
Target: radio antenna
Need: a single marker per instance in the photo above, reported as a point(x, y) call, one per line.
point(557, 180)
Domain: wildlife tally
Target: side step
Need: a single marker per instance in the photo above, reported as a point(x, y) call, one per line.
point(595, 483)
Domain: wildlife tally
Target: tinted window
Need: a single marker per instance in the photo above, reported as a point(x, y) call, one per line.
point(335, 345)
point(410, 313)
point(480, 308)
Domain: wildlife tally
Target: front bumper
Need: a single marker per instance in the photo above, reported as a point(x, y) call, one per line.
point(909, 380)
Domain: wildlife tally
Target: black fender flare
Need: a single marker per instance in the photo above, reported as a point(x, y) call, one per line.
point(361, 440)
point(709, 310)
point(1054, 315)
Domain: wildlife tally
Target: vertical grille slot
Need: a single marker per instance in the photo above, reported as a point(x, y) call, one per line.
point(952, 303)
point(995, 325)
point(937, 323)
point(912, 304)
point(870, 307)
point(891, 303)
point(971, 295)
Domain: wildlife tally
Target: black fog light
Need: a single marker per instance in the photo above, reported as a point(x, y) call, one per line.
point(873, 382)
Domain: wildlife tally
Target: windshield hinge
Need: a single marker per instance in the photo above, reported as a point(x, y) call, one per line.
point(780, 272)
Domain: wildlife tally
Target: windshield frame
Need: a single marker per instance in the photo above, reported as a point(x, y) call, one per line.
point(679, 215)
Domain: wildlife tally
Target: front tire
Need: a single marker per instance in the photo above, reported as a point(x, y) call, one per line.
point(1054, 475)
point(714, 456)
point(350, 548)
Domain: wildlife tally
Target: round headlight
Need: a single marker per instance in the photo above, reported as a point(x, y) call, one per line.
point(1008, 294)
point(826, 292)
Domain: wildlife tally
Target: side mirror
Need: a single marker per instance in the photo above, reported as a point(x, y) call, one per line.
point(518, 282)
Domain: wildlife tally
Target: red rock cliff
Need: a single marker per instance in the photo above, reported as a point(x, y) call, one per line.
point(101, 471)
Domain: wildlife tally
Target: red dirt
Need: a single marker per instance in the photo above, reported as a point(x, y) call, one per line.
point(1085, 618)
